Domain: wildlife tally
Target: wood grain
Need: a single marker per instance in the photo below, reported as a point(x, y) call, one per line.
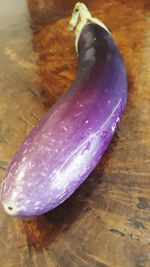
point(106, 223)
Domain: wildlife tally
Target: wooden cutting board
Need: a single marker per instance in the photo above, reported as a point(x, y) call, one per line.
point(106, 223)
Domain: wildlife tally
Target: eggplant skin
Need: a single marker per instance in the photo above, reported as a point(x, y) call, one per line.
point(68, 142)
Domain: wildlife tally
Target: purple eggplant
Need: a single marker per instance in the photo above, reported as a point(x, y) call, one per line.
point(68, 142)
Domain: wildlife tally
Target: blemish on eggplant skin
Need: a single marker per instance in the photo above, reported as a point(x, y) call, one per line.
point(143, 203)
point(10, 208)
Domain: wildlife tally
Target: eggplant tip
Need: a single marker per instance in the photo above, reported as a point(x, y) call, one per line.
point(10, 209)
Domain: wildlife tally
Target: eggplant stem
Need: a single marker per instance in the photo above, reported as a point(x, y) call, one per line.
point(81, 17)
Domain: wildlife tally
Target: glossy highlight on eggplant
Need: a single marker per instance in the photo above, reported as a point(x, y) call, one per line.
point(68, 142)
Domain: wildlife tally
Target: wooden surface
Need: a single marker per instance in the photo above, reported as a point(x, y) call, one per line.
point(106, 223)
